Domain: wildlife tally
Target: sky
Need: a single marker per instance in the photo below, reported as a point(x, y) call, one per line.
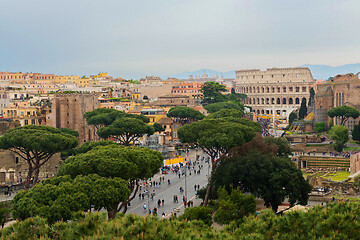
point(135, 38)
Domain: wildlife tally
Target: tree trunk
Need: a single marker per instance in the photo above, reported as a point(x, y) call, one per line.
point(28, 177)
point(206, 200)
point(112, 214)
point(36, 175)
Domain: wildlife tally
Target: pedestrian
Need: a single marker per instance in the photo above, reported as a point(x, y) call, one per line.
point(198, 187)
point(159, 184)
point(184, 204)
point(159, 203)
point(160, 179)
point(162, 202)
point(188, 203)
point(163, 215)
point(149, 211)
point(191, 203)
point(139, 195)
point(163, 178)
point(142, 195)
point(195, 187)
point(155, 211)
point(169, 181)
point(144, 207)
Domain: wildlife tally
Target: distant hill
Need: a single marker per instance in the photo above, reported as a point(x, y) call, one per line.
point(318, 71)
point(325, 71)
point(185, 75)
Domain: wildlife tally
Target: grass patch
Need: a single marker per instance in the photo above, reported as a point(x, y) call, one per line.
point(315, 145)
point(341, 176)
point(352, 149)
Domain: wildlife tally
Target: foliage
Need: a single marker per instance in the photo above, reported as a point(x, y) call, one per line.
point(233, 206)
point(292, 117)
point(89, 145)
point(105, 116)
point(36, 145)
point(198, 213)
point(4, 212)
point(69, 131)
point(340, 135)
point(60, 197)
point(126, 130)
point(226, 113)
point(339, 220)
point(110, 161)
point(236, 97)
point(215, 107)
point(357, 181)
point(212, 92)
point(215, 137)
point(262, 173)
point(344, 113)
point(185, 113)
point(356, 132)
point(284, 149)
point(303, 109)
point(320, 127)
point(158, 127)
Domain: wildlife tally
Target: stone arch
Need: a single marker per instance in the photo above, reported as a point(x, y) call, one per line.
point(258, 89)
point(278, 101)
point(267, 101)
point(272, 100)
point(262, 111)
point(284, 101)
point(284, 89)
point(291, 101)
point(249, 100)
point(262, 101)
point(254, 101)
point(262, 89)
point(267, 89)
point(273, 89)
point(258, 111)
point(297, 100)
point(258, 101)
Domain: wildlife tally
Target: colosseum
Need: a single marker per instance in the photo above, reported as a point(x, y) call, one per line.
point(276, 90)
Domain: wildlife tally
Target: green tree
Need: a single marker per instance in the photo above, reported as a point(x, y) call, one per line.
point(356, 132)
point(340, 135)
point(185, 114)
point(267, 176)
point(126, 130)
point(303, 109)
point(215, 137)
point(212, 92)
point(233, 206)
point(60, 197)
point(158, 127)
point(215, 107)
point(226, 113)
point(130, 163)
point(284, 149)
point(89, 145)
point(343, 113)
point(198, 213)
point(4, 213)
point(36, 145)
point(320, 127)
point(69, 131)
point(292, 117)
point(103, 117)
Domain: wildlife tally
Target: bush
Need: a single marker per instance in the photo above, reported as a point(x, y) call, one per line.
point(198, 213)
point(320, 127)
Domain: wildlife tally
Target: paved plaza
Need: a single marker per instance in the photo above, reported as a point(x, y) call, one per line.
point(167, 191)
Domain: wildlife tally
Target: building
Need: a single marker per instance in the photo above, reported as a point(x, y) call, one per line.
point(191, 89)
point(173, 100)
point(67, 111)
point(277, 89)
point(340, 90)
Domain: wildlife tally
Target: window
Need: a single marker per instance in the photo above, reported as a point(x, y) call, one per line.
point(26, 122)
point(303, 89)
point(297, 89)
point(290, 89)
point(33, 121)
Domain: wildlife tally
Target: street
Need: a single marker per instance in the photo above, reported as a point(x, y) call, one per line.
point(167, 191)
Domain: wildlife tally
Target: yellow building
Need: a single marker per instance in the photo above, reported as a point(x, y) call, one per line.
point(25, 114)
point(74, 79)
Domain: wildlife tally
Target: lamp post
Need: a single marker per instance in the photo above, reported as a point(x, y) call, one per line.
point(185, 184)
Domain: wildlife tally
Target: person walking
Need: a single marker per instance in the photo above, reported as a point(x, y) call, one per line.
point(159, 203)
point(144, 207)
point(163, 202)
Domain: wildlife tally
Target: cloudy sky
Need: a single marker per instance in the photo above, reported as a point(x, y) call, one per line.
point(134, 38)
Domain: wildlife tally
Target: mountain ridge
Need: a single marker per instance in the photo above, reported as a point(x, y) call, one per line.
point(318, 71)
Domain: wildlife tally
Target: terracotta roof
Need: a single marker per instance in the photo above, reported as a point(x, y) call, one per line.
point(165, 120)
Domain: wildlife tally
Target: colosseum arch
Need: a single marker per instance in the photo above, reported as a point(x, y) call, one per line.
point(267, 101)
point(272, 100)
point(273, 89)
point(262, 89)
point(291, 101)
point(284, 89)
point(249, 100)
point(297, 100)
point(278, 101)
point(284, 101)
point(267, 89)
point(258, 101)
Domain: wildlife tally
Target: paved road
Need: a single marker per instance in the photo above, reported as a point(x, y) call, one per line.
point(166, 191)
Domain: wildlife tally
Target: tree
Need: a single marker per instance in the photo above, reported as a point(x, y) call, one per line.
point(4, 212)
point(303, 109)
point(267, 176)
point(284, 149)
point(126, 130)
point(236, 97)
point(215, 107)
point(89, 145)
point(226, 113)
point(185, 114)
point(343, 113)
point(103, 117)
point(215, 137)
point(212, 92)
point(69, 131)
point(340, 135)
point(292, 117)
point(356, 132)
point(129, 163)
point(233, 206)
point(198, 213)
point(60, 197)
point(158, 127)
point(36, 145)
point(320, 127)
